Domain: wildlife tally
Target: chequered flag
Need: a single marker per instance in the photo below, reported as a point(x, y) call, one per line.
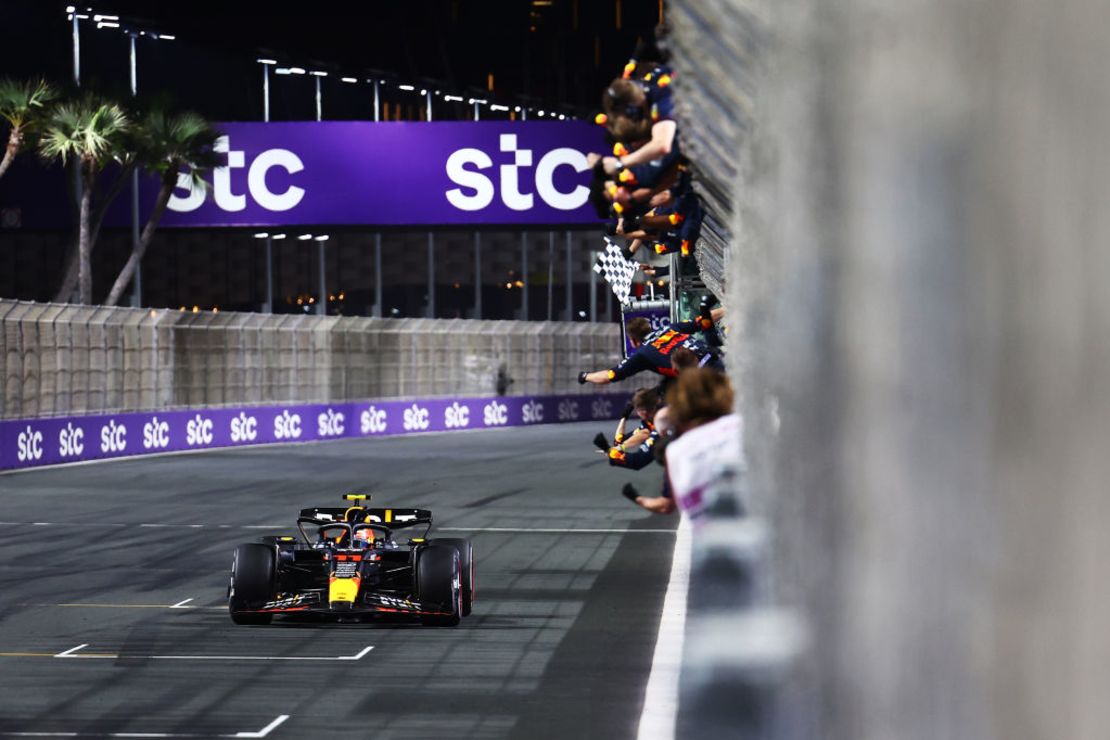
point(616, 270)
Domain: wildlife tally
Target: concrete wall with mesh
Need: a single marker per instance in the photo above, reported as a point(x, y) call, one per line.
point(68, 360)
point(919, 338)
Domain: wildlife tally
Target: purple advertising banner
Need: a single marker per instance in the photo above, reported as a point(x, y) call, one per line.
point(31, 443)
point(360, 173)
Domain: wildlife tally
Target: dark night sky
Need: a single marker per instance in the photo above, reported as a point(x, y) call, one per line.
point(565, 62)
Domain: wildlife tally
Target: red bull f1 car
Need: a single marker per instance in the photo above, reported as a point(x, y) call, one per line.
point(348, 562)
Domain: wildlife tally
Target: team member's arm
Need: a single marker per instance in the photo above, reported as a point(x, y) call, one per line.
point(637, 438)
point(619, 434)
point(657, 504)
point(629, 366)
point(662, 139)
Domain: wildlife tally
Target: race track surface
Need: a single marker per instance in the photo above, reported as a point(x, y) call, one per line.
point(129, 560)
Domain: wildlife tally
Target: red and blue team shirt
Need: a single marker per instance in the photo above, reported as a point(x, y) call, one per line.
point(655, 353)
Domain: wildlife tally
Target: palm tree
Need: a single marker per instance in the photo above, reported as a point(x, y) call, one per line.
point(88, 131)
point(23, 105)
point(125, 157)
point(166, 145)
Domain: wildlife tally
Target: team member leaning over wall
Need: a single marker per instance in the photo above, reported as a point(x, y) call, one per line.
point(653, 349)
point(634, 450)
point(703, 436)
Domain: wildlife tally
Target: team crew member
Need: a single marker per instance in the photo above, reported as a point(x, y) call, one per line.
point(708, 438)
point(636, 450)
point(654, 349)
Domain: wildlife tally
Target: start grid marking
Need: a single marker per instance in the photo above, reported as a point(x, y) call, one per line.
point(274, 724)
point(75, 653)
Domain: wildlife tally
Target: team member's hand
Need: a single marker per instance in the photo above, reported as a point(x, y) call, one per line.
point(601, 443)
point(582, 378)
point(629, 492)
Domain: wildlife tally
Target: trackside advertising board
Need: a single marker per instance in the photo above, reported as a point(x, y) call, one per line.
point(390, 174)
point(27, 443)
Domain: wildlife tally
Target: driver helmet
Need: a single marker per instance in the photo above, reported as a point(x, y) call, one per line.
point(364, 537)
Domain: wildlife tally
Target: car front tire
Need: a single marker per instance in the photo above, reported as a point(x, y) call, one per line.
point(438, 581)
point(252, 583)
point(466, 566)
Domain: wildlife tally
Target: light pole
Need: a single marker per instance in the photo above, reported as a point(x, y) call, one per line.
point(319, 98)
point(524, 275)
point(266, 64)
point(570, 284)
point(550, 275)
point(76, 18)
point(137, 280)
point(593, 287)
point(322, 304)
point(78, 187)
point(378, 300)
point(431, 234)
point(477, 244)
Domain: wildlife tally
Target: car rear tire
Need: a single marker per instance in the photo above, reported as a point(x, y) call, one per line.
point(252, 584)
point(466, 566)
point(438, 581)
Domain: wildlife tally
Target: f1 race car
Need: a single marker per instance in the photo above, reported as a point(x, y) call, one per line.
point(348, 563)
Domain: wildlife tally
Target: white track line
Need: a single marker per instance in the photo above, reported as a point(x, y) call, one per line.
point(544, 530)
point(657, 721)
point(360, 655)
point(181, 604)
point(267, 729)
point(72, 653)
point(274, 724)
point(69, 653)
point(281, 527)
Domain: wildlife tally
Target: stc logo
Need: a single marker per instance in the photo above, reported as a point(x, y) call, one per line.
point(113, 437)
point(259, 191)
point(71, 441)
point(156, 434)
point(477, 190)
point(602, 408)
point(287, 425)
point(416, 418)
point(330, 423)
point(373, 420)
point(532, 413)
point(495, 414)
point(244, 428)
point(29, 445)
point(198, 431)
point(456, 416)
point(568, 410)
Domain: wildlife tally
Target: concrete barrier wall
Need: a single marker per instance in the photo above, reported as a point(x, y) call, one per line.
point(61, 360)
point(916, 281)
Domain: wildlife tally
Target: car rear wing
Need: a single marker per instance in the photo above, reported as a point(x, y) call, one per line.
point(391, 518)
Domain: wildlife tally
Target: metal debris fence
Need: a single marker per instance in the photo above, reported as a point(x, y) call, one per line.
point(60, 359)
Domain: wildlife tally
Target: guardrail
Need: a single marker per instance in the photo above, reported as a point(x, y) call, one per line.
point(27, 443)
point(62, 360)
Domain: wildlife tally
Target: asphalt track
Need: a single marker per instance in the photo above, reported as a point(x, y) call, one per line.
point(129, 559)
